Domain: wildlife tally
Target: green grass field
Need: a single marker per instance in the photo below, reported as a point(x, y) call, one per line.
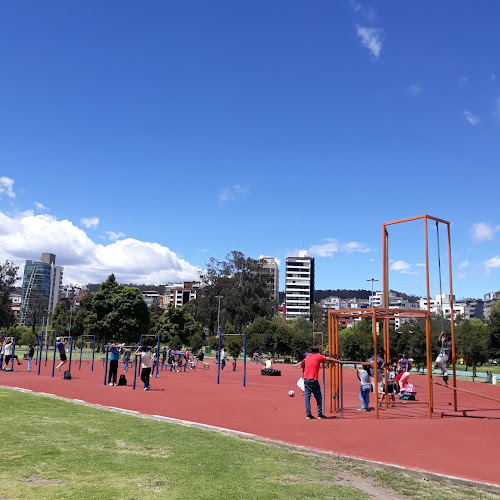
point(54, 449)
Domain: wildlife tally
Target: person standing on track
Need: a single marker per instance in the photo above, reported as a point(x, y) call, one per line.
point(31, 353)
point(223, 359)
point(126, 359)
point(311, 384)
point(145, 354)
point(114, 356)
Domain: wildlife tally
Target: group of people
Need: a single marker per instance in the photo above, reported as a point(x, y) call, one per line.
point(398, 374)
point(148, 358)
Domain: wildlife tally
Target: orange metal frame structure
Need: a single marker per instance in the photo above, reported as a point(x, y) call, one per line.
point(385, 315)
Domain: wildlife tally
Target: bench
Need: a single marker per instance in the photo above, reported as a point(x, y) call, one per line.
point(206, 366)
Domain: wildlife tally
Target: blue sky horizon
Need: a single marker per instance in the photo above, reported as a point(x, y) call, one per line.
point(143, 139)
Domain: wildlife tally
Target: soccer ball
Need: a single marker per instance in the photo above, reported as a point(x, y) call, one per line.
point(291, 394)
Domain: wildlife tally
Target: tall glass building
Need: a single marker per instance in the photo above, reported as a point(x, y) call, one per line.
point(42, 281)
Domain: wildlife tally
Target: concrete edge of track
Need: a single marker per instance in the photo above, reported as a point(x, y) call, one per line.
point(418, 473)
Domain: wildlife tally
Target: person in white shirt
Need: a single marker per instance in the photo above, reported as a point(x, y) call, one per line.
point(145, 354)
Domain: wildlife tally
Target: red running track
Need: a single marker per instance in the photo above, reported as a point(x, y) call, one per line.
point(464, 444)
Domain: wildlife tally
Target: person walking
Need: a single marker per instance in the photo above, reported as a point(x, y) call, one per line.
point(145, 355)
point(311, 384)
point(186, 356)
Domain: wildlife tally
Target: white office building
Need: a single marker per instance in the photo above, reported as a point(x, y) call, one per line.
point(299, 286)
point(442, 303)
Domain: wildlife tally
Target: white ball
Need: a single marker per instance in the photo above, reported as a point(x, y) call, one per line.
point(291, 394)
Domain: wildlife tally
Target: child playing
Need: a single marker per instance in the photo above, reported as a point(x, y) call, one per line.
point(364, 393)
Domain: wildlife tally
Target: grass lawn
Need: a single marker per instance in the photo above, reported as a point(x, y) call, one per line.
point(54, 449)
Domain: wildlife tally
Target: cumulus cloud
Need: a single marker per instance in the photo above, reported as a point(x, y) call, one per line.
point(114, 236)
point(90, 222)
point(400, 265)
point(27, 236)
point(472, 119)
point(415, 90)
point(6, 185)
point(332, 246)
point(230, 194)
point(493, 262)
point(483, 232)
point(371, 38)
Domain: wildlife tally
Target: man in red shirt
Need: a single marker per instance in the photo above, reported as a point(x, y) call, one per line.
point(311, 384)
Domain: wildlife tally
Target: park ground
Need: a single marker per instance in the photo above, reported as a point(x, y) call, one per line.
point(464, 445)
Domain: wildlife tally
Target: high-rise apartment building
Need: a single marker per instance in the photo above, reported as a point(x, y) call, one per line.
point(270, 267)
point(299, 286)
point(42, 281)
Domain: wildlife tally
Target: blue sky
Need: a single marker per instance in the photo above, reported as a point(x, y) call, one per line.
point(142, 138)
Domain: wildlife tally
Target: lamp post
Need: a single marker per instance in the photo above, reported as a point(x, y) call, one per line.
point(372, 280)
point(218, 334)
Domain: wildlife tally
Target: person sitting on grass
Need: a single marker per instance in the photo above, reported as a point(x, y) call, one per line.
point(363, 375)
point(60, 343)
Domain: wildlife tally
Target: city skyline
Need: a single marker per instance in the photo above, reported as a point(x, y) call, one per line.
point(146, 142)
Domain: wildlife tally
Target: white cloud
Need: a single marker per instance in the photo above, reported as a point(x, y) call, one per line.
point(231, 194)
point(40, 206)
point(371, 38)
point(27, 236)
point(415, 90)
point(90, 222)
point(6, 185)
point(472, 119)
point(461, 276)
point(400, 265)
point(367, 12)
point(493, 77)
point(493, 262)
point(114, 236)
point(463, 264)
point(419, 265)
point(483, 232)
point(332, 246)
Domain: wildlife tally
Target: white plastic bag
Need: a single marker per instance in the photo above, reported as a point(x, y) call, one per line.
point(300, 384)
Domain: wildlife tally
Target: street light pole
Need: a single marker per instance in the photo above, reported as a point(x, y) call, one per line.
point(372, 280)
point(218, 334)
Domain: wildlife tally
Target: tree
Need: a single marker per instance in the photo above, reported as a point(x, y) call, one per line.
point(494, 322)
point(60, 318)
point(80, 314)
point(36, 309)
point(356, 342)
point(472, 342)
point(8, 278)
point(195, 342)
point(244, 289)
point(117, 312)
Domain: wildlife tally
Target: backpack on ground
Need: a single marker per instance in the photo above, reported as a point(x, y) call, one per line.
point(67, 375)
point(122, 380)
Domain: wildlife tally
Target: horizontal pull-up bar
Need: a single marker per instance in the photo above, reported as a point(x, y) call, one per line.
point(415, 218)
point(465, 390)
